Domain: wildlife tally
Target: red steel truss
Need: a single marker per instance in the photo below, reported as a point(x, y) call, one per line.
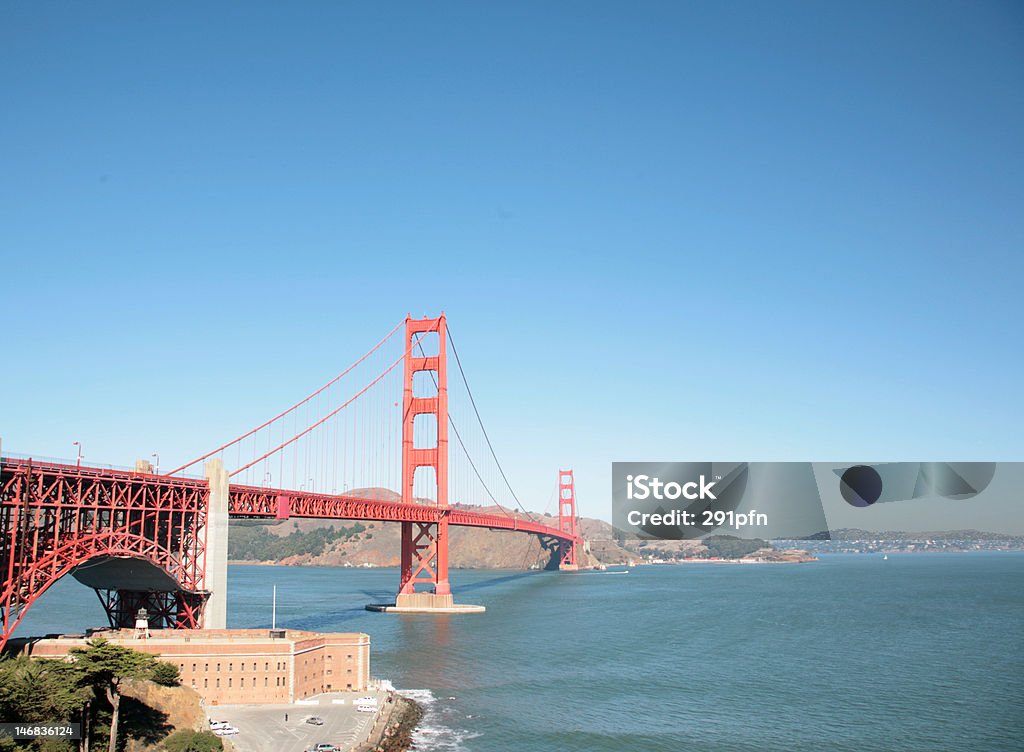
point(255, 501)
point(55, 517)
point(567, 520)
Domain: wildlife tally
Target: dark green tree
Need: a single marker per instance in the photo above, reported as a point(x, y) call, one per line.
point(166, 674)
point(39, 690)
point(104, 666)
point(187, 740)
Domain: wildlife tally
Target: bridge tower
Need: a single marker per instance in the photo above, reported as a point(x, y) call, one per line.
point(425, 544)
point(567, 520)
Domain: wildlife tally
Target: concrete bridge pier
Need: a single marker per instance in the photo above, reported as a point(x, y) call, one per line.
point(215, 611)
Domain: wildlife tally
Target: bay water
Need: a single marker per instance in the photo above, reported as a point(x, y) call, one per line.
point(853, 652)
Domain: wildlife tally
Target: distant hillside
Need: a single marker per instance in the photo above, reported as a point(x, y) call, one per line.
point(250, 540)
point(348, 543)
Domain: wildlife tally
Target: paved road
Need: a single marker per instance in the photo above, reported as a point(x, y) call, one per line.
point(262, 728)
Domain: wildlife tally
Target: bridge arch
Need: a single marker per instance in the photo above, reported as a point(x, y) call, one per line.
point(155, 585)
point(59, 518)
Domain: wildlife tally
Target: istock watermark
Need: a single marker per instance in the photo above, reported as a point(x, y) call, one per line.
point(799, 500)
point(643, 486)
point(689, 500)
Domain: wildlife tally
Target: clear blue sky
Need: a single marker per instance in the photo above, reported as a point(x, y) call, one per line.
point(661, 231)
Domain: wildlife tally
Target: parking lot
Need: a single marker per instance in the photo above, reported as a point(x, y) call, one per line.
point(262, 728)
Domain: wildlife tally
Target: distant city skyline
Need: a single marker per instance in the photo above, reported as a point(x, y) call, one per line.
point(666, 232)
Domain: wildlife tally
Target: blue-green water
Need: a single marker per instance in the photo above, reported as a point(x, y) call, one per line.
point(919, 652)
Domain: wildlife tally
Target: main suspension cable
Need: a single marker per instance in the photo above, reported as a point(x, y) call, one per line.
point(293, 407)
point(481, 422)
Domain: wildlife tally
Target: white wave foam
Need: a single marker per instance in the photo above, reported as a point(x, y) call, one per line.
point(431, 733)
point(422, 696)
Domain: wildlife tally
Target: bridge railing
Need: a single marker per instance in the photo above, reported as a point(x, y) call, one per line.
point(65, 462)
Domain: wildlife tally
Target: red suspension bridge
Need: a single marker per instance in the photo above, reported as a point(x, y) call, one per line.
point(390, 421)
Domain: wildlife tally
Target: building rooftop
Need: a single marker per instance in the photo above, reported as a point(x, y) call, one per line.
point(205, 636)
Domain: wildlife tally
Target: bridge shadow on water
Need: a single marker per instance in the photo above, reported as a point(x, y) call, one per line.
point(388, 596)
point(325, 618)
point(483, 584)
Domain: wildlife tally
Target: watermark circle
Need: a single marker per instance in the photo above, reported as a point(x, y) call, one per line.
point(861, 486)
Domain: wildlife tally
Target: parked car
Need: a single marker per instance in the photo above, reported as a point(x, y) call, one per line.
point(366, 708)
point(315, 720)
point(225, 731)
point(325, 748)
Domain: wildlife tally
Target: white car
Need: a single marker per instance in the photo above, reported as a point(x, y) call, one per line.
point(214, 725)
point(366, 708)
point(225, 731)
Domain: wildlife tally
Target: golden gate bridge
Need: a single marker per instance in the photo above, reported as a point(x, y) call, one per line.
point(391, 420)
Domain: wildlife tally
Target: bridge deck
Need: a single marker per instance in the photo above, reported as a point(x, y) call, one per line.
point(252, 501)
point(255, 501)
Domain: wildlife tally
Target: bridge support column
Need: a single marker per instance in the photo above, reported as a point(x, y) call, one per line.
point(215, 611)
point(425, 560)
point(425, 544)
point(567, 521)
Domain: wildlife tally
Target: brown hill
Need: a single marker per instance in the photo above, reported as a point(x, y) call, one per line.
point(379, 545)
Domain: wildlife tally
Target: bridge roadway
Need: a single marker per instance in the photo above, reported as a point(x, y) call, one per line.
point(253, 501)
point(58, 484)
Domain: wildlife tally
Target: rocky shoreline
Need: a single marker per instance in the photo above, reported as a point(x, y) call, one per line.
point(396, 735)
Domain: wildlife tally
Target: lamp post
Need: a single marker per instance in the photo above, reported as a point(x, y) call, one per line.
point(78, 462)
point(157, 456)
